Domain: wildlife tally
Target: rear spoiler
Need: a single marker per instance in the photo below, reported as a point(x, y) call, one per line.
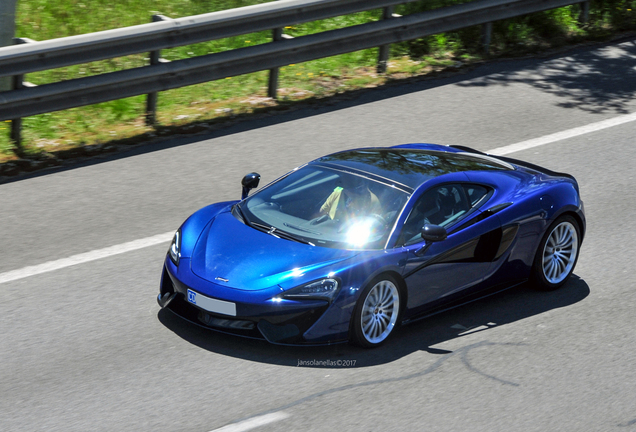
point(517, 162)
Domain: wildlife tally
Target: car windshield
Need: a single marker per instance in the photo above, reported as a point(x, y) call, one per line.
point(326, 207)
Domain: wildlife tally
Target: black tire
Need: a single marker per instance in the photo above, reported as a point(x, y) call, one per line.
point(377, 312)
point(557, 254)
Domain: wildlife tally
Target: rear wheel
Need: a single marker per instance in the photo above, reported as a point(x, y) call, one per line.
point(377, 312)
point(557, 254)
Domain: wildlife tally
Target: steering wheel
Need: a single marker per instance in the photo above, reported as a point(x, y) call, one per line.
point(379, 218)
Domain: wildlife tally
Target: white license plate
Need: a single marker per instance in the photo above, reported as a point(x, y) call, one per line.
point(211, 305)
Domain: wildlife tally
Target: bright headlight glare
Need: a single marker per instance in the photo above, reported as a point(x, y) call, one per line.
point(324, 289)
point(175, 248)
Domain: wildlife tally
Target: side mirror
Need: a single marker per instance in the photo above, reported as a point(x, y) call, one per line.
point(249, 182)
point(431, 234)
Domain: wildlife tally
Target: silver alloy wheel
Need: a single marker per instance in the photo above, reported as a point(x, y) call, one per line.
point(560, 252)
point(380, 311)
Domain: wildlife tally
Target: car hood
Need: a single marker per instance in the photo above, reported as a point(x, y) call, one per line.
point(232, 254)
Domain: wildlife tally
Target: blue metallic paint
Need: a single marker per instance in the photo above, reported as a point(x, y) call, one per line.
point(193, 226)
point(230, 249)
point(260, 266)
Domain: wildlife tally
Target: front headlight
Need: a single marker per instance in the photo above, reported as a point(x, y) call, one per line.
point(175, 248)
point(323, 289)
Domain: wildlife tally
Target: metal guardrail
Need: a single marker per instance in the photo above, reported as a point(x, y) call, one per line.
point(154, 36)
point(159, 76)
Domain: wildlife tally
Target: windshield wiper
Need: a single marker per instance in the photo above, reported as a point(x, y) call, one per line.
point(279, 234)
point(264, 228)
point(289, 236)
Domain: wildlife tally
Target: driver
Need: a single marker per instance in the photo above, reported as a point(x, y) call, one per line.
point(353, 199)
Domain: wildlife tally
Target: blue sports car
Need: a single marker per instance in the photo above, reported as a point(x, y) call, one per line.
point(353, 244)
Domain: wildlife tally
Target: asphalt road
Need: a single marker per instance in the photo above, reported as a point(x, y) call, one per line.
point(85, 347)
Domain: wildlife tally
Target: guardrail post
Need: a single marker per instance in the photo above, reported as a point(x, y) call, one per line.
point(584, 15)
point(16, 124)
point(486, 36)
point(151, 98)
point(272, 86)
point(383, 52)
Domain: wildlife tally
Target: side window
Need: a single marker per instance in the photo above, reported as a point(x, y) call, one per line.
point(443, 205)
point(475, 194)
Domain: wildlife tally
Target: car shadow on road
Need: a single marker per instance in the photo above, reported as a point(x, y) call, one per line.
point(480, 316)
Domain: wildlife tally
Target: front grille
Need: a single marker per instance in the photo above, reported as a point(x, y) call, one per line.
point(214, 321)
point(285, 328)
point(235, 324)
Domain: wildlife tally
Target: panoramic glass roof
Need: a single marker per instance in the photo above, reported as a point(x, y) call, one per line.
point(412, 167)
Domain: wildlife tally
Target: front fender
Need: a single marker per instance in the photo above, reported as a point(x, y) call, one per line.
point(355, 275)
point(193, 226)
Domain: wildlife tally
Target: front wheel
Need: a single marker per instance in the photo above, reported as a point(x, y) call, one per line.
point(376, 313)
point(557, 254)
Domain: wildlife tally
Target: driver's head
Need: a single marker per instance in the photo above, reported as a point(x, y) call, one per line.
point(428, 203)
point(354, 184)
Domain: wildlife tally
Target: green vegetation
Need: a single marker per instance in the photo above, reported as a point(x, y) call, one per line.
point(45, 19)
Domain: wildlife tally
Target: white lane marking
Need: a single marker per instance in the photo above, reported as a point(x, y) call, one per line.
point(254, 422)
point(151, 241)
point(85, 257)
point(570, 133)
